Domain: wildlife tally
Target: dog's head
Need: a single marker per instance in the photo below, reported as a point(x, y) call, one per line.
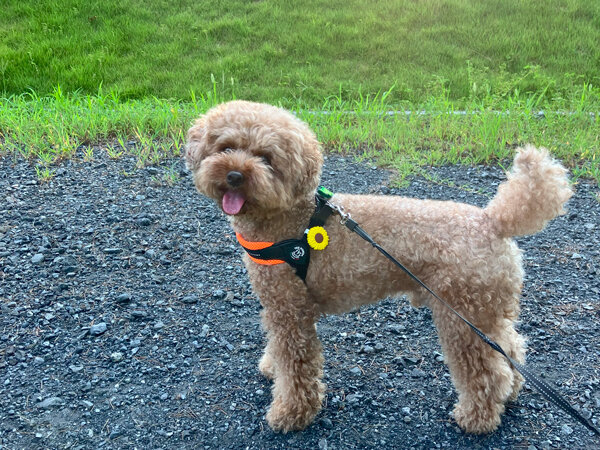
point(253, 157)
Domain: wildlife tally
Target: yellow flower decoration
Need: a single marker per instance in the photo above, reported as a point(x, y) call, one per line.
point(317, 238)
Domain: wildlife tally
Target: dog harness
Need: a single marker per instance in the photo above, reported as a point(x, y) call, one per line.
point(295, 252)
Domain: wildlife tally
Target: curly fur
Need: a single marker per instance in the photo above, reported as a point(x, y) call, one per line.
point(462, 252)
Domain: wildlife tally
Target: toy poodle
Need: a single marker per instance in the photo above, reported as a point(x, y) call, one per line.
point(262, 166)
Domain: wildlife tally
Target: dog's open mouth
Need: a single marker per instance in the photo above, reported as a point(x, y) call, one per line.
point(233, 202)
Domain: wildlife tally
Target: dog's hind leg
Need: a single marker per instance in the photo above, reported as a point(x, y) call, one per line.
point(483, 378)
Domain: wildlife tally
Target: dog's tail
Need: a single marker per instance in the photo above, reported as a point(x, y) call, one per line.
point(535, 192)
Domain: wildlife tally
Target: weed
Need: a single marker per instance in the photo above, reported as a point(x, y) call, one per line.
point(171, 176)
point(113, 152)
point(88, 154)
point(44, 174)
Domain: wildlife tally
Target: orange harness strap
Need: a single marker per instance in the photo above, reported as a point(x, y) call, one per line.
point(258, 246)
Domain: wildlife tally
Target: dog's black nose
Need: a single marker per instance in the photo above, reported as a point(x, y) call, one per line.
point(234, 178)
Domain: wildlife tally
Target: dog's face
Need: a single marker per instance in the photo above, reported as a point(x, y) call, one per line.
point(253, 157)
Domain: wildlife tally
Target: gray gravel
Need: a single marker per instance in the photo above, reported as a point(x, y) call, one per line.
point(127, 321)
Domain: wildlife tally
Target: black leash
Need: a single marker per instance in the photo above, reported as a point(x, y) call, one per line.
point(540, 385)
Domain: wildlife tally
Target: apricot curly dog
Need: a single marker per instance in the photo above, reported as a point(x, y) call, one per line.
point(262, 166)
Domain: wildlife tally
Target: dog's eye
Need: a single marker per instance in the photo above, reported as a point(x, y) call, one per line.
point(265, 159)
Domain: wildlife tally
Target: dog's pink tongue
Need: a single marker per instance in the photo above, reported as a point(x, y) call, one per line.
point(233, 202)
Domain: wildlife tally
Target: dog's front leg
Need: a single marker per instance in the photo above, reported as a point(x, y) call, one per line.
point(293, 357)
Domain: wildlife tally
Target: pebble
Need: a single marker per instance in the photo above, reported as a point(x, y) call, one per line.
point(116, 356)
point(566, 429)
point(352, 398)
point(98, 329)
point(326, 423)
point(124, 298)
point(219, 294)
point(50, 402)
point(138, 314)
point(190, 299)
point(356, 371)
point(38, 258)
point(323, 444)
point(144, 221)
point(417, 373)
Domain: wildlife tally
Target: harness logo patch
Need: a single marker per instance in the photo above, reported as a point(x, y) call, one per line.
point(297, 253)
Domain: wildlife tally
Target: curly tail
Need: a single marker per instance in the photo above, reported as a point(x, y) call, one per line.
point(535, 192)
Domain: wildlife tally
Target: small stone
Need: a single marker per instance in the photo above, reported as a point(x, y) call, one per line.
point(38, 360)
point(566, 429)
point(407, 419)
point(124, 298)
point(113, 250)
point(75, 369)
point(190, 299)
point(219, 294)
point(115, 434)
point(38, 258)
point(164, 396)
point(323, 444)
point(98, 329)
point(204, 331)
point(158, 325)
point(417, 373)
point(116, 356)
point(50, 402)
point(356, 371)
point(87, 403)
point(138, 314)
point(69, 269)
point(144, 221)
point(326, 423)
point(352, 398)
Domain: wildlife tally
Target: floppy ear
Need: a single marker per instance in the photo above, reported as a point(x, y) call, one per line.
point(195, 145)
point(312, 162)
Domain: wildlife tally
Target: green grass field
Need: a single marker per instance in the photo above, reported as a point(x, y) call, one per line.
point(76, 73)
point(288, 51)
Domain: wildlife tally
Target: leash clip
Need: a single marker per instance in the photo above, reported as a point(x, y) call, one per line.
point(345, 217)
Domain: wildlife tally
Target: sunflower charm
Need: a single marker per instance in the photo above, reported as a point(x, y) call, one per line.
point(317, 238)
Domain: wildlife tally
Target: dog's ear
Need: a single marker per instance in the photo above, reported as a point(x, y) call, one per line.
point(195, 145)
point(313, 161)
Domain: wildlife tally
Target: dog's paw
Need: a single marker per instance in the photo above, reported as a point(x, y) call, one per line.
point(267, 366)
point(476, 419)
point(286, 417)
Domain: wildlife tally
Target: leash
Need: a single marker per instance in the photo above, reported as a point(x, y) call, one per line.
point(548, 392)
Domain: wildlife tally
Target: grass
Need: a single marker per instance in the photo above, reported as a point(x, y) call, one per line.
point(160, 64)
point(299, 53)
point(49, 129)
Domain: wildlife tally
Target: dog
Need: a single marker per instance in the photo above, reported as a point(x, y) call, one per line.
point(262, 166)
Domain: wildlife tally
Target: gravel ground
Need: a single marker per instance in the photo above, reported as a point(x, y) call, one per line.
point(127, 321)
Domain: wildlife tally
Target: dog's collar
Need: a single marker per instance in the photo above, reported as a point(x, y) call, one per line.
point(295, 252)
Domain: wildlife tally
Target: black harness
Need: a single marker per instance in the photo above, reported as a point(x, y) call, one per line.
point(296, 252)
